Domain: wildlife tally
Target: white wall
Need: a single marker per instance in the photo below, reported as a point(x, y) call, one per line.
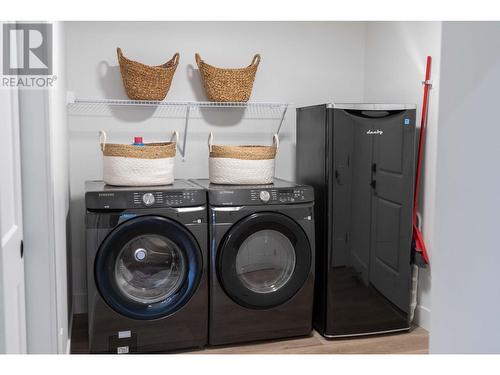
point(466, 254)
point(302, 63)
point(44, 144)
point(61, 187)
point(394, 69)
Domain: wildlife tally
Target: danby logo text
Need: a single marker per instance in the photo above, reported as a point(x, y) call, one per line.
point(375, 132)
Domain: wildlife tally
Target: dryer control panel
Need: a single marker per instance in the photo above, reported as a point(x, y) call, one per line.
point(274, 196)
point(260, 196)
point(279, 192)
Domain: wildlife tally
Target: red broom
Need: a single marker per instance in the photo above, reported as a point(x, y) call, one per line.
point(417, 234)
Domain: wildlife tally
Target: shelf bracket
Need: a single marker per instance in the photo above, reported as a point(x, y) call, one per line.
point(282, 119)
point(184, 140)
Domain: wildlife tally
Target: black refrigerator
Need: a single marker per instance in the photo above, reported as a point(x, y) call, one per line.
point(360, 159)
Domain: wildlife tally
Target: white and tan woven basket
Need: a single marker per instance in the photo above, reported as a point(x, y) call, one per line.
point(130, 165)
point(245, 165)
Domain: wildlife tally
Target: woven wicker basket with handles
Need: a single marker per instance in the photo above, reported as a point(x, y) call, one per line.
point(131, 165)
point(242, 165)
point(144, 82)
point(228, 85)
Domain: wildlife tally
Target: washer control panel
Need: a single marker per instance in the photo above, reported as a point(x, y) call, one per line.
point(275, 196)
point(147, 198)
point(164, 198)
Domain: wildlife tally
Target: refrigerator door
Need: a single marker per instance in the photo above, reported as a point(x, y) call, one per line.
point(359, 158)
point(360, 222)
point(368, 277)
point(392, 198)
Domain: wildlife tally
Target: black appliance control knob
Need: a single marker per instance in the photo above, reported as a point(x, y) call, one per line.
point(264, 196)
point(148, 199)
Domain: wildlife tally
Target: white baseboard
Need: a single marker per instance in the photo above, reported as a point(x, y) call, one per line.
point(79, 303)
point(423, 317)
point(70, 332)
point(68, 346)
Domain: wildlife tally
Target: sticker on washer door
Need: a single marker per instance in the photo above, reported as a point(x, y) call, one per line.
point(124, 334)
point(122, 350)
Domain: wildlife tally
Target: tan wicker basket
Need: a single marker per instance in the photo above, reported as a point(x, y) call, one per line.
point(144, 82)
point(131, 165)
point(148, 151)
point(247, 152)
point(241, 164)
point(228, 85)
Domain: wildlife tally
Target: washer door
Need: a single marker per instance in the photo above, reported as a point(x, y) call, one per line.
point(148, 267)
point(264, 260)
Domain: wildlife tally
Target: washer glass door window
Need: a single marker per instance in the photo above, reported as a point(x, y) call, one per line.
point(265, 261)
point(149, 268)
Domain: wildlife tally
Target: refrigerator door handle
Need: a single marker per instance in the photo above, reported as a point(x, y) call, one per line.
point(374, 114)
point(337, 177)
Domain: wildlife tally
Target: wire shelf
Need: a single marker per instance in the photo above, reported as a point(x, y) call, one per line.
point(155, 103)
point(87, 105)
point(177, 109)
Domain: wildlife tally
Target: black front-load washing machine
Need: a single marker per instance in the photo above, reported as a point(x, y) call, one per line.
point(261, 261)
point(146, 267)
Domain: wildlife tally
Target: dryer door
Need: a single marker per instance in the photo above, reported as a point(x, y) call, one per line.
point(148, 267)
point(264, 260)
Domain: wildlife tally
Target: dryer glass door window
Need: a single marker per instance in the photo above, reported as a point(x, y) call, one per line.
point(265, 261)
point(149, 268)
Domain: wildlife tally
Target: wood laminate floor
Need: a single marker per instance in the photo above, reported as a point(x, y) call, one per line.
point(414, 342)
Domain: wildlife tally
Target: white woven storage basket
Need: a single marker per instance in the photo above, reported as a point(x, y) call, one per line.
point(242, 165)
point(130, 165)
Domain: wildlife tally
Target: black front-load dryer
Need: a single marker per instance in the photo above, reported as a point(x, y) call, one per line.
point(261, 261)
point(146, 267)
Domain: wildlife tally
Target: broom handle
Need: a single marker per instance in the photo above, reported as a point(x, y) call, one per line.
point(423, 125)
